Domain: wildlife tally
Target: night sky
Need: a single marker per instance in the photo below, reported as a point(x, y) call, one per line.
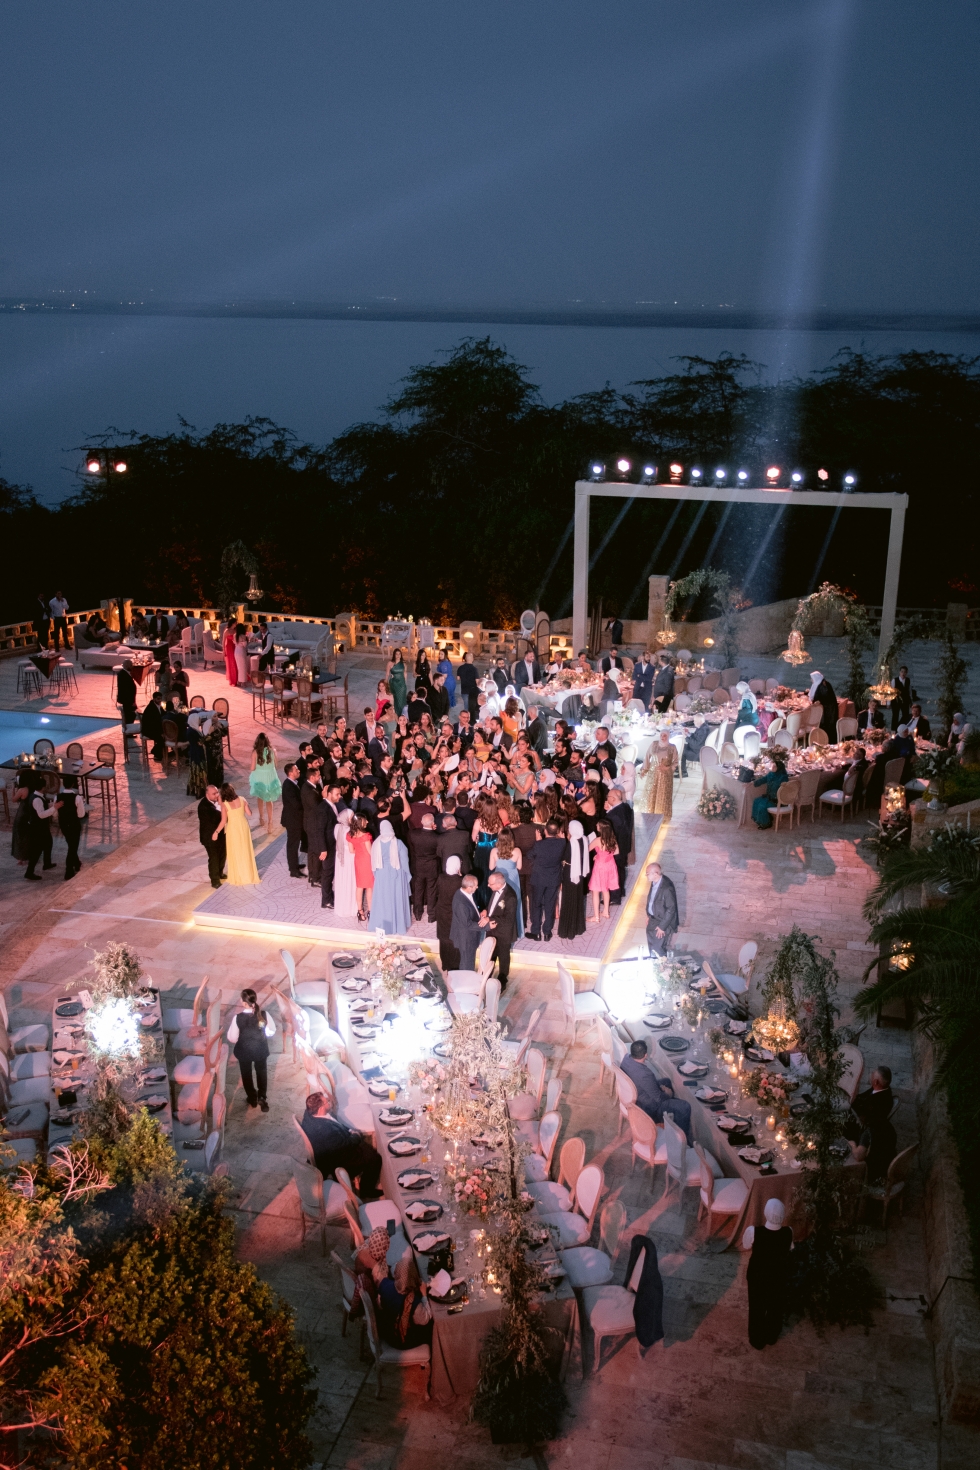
point(786, 154)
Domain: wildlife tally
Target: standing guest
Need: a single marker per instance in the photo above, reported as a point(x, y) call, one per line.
point(453, 840)
point(198, 725)
point(359, 840)
point(694, 743)
point(605, 874)
point(499, 674)
point(40, 814)
point(614, 628)
point(228, 649)
point(263, 782)
point(71, 811)
point(485, 831)
point(445, 668)
point(346, 898)
point(126, 692)
point(643, 676)
point(42, 623)
point(536, 730)
point(663, 685)
point(619, 815)
point(249, 1034)
point(381, 698)
point(439, 697)
point(821, 692)
point(904, 695)
point(242, 664)
point(179, 682)
point(655, 1095)
point(321, 745)
point(506, 859)
point(450, 881)
point(325, 832)
point(662, 920)
point(418, 705)
point(390, 909)
point(311, 795)
point(574, 882)
point(365, 729)
point(292, 818)
point(655, 784)
point(468, 923)
point(871, 718)
point(151, 725)
point(546, 875)
point(59, 613)
point(767, 1274)
point(503, 916)
point(335, 1146)
point(918, 725)
point(527, 670)
point(525, 840)
point(425, 867)
point(468, 680)
point(27, 781)
point(265, 647)
point(209, 816)
point(395, 679)
point(238, 837)
point(423, 672)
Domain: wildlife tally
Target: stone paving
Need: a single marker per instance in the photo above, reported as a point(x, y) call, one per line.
point(704, 1398)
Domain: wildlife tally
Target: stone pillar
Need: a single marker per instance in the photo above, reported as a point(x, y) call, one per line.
point(656, 598)
point(956, 614)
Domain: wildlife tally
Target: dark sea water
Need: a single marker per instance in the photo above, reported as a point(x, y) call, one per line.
point(64, 378)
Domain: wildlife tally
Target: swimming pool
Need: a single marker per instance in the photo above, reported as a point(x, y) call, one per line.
point(18, 731)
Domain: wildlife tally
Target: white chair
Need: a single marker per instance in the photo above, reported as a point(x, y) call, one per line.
point(728, 755)
point(586, 1266)
point(793, 722)
point(722, 1198)
point(775, 725)
point(211, 651)
point(551, 1196)
point(35, 1091)
point(683, 1165)
point(348, 1291)
point(307, 992)
point(316, 1202)
point(732, 985)
point(352, 1099)
point(841, 798)
point(771, 684)
point(194, 1040)
point(525, 1105)
point(194, 1076)
point(646, 1139)
point(751, 743)
point(782, 739)
point(757, 686)
point(515, 1052)
point(537, 1166)
point(707, 756)
point(608, 1310)
point(574, 1226)
point(847, 728)
point(584, 1006)
point(816, 736)
point(385, 1356)
point(465, 1003)
point(25, 1065)
point(25, 1151)
point(786, 799)
point(626, 1093)
point(850, 1080)
point(682, 702)
point(184, 1016)
point(605, 1050)
point(528, 1132)
point(34, 1037)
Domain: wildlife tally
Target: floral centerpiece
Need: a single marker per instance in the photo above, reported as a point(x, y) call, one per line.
point(768, 1088)
point(474, 1188)
point(716, 804)
point(385, 959)
point(428, 1073)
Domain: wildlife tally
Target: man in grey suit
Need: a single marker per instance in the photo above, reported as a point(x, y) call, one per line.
point(663, 684)
point(468, 923)
point(661, 910)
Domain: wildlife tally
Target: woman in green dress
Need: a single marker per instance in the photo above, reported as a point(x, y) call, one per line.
point(395, 679)
point(772, 780)
point(263, 782)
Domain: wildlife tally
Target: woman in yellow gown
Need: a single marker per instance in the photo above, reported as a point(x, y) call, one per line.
point(655, 783)
point(238, 837)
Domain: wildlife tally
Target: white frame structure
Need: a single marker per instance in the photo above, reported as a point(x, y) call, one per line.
point(820, 499)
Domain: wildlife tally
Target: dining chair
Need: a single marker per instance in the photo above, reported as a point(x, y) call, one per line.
point(194, 1039)
point(694, 683)
point(842, 798)
point(175, 1020)
point(537, 1166)
point(893, 1187)
point(579, 1007)
point(682, 702)
point(793, 722)
point(605, 1051)
point(44, 747)
point(74, 751)
point(33, 1037)
point(626, 1093)
point(528, 1132)
point(525, 1105)
point(731, 985)
point(587, 1266)
point(775, 725)
point(221, 708)
point(317, 1203)
point(722, 1198)
point(193, 1075)
point(853, 1059)
point(894, 771)
point(258, 682)
point(711, 682)
point(728, 755)
point(866, 780)
point(707, 756)
point(683, 1165)
point(105, 776)
point(786, 801)
point(385, 1356)
point(817, 736)
point(574, 1225)
point(809, 786)
point(646, 1141)
point(847, 728)
point(720, 697)
point(172, 741)
point(198, 702)
point(782, 739)
point(348, 1293)
point(758, 686)
point(305, 992)
point(558, 1196)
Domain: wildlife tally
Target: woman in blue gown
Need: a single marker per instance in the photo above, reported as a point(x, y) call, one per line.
point(390, 908)
point(772, 781)
point(445, 667)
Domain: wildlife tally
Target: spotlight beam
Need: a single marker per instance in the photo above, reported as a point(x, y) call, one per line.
point(648, 569)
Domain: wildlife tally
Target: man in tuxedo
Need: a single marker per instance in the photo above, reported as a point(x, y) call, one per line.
point(158, 627)
point(502, 922)
point(464, 729)
point(151, 725)
point(266, 646)
point(311, 795)
point(536, 730)
point(424, 853)
point(663, 685)
point(499, 674)
point(546, 881)
point(377, 749)
point(871, 718)
point(439, 697)
point(904, 695)
point(326, 834)
point(612, 660)
point(601, 755)
point(292, 818)
point(694, 743)
point(918, 724)
point(661, 910)
point(527, 671)
point(208, 819)
point(619, 815)
point(643, 676)
point(453, 841)
point(468, 923)
point(499, 738)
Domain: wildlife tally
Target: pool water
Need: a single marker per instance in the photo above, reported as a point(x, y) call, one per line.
point(18, 731)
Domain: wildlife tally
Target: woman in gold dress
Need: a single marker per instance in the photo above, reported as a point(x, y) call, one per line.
point(655, 783)
point(238, 837)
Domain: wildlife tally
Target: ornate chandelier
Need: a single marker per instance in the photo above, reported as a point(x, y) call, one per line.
point(666, 636)
point(883, 691)
point(777, 1031)
point(795, 653)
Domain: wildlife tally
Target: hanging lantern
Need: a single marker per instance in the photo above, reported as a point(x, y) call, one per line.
point(254, 590)
point(883, 691)
point(795, 653)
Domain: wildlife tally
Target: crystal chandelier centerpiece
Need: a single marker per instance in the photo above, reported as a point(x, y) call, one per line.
point(777, 1031)
point(795, 653)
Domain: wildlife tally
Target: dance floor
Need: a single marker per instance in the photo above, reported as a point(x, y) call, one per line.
point(284, 906)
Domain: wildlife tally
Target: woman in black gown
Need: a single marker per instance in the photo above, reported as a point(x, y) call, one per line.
point(574, 883)
point(767, 1274)
point(822, 693)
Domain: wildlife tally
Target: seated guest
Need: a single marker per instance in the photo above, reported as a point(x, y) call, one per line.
point(404, 1315)
point(876, 1145)
point(876, 1101)
point(918, 724)
point(694, 743)
point(871, 718)
point(654, 1095)
point(96, 630)
point(612, 660)
point(138, 627)
point(158, 627)
point(958, 731)
point(335, 1146)
point(151, 725)
point(582, 665)
point(771, 780)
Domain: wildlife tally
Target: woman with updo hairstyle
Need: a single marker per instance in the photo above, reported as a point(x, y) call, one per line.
point(248, 1033)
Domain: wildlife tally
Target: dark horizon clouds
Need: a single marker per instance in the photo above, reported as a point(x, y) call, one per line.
point(781, 154)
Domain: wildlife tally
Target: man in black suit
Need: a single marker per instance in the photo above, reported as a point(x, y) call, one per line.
point(546, 881)
point(365, 729)
point(499, 674)
point(875, 1103)
point(158, 627)
point(465, 815)
point(614, 628)
point(126, 692)
point(536, 730)
point(904, 695)
point(643, 676)
point(655, 1095)
point(326, 834)
point(612, 660)
point(366, 804)
point(663, 685)
point(527, 671)
point(694, 743)
point(424, 853)
point(439, 697)
point(918, 724)
point(292, 818)
point(322, 742)
point(661, 910)
point(601, 756)
point(468, 923)
point(311, 795)
point(208, 818)
point(151, 725)
point(619, 815)
point(502, 922)
point(871, 718)
point(418, 706)
point(469, 682)
point(464, 730)
point(453, 841)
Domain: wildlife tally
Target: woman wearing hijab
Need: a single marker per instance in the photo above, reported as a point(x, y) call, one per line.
point(748, 708)
point(821, 692)
point(404, 1314)
point(574, 882)
point(390, 908)
point(771, 780)
point(447, 887)
point(767, 1274)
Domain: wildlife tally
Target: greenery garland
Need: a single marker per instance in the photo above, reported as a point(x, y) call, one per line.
point(858, 631)
point(726, 597)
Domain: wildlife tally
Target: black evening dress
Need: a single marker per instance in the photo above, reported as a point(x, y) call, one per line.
point(767, 1273)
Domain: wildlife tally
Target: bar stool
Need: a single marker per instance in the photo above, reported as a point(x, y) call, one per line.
point(64, 676)
point(258, 693)
point(23, 664)
point(32, 683)
point(220, 707)
point(105, 775)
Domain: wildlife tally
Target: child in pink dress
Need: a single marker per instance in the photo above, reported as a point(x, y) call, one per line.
point(605, 875)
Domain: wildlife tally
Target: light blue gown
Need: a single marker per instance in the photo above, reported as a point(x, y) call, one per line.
point(390, 909)
point(445, 667)
point(508, 867)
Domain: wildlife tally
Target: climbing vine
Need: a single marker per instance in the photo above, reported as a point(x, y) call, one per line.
point(858, 630)
point(725, 596)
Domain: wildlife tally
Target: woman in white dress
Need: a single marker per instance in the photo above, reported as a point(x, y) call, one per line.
point(242, 662)
point(344, 885)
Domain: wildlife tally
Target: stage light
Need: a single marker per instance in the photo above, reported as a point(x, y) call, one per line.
point(773, 473)
point(796, 477)
point(721, 475)
point(742, 476)
point(623, 466)
point(676, 470)
point(850, 481)
point(649, 474)
point(696, 475)
point(93, 467)
point(596, 470)
point(823, 475)
point(120, 467)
